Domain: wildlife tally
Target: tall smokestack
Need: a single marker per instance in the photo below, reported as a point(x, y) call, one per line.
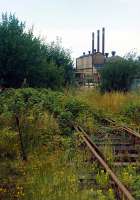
point(93, 43)
point(98, 40)
point(103, 41)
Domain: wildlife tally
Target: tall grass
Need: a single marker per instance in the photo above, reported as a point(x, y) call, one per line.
point(57, 176)
point(56, 162)
point(110, 102)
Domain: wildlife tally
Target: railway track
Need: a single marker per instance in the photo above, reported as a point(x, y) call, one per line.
point(123, 142)
point(121, 191)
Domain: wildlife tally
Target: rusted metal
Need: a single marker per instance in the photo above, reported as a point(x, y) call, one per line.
point(122, 190)
point(123, 127)
point(132, 137)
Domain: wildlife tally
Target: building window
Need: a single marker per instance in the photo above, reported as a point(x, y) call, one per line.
point(98, 65)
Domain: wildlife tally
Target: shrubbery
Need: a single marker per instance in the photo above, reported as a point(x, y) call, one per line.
point(22, 109)
point(45, 120)
point(118, 75)
point(25, 60)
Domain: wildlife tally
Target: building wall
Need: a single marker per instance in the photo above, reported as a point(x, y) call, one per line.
point(85, 62)
point(87, 71)
point(98, 58)
point(87, 67)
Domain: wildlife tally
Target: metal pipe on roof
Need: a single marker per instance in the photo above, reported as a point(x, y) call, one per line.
point(93, 43)
point(98, 40)
point(103, 41)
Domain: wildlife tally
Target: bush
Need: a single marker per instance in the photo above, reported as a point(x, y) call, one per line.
point(75, 107)
point(118, 75)
point(65, 121)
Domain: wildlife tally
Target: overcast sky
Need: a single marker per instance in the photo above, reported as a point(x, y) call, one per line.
point(75, 20)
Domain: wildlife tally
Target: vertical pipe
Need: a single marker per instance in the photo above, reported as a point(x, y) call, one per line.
point(98, 40)
point(93, 43)
point(103, 41)
point(76, 63)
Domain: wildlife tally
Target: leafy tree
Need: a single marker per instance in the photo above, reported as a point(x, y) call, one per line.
point(62, 59)
point(27, 60)
point(118, 75)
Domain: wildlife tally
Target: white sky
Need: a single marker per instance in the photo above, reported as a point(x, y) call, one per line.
point(75, 20)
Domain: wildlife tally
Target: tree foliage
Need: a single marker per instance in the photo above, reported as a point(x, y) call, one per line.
point(26, 59)
point(118, 75)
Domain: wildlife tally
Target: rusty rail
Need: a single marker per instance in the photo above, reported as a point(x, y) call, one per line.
point(125, 128)
point(123, 191)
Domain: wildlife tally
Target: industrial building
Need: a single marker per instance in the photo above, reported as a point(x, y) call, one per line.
point(89, 65)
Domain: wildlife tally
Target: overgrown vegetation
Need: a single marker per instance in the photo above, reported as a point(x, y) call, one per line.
point(41, 155)
point(118, 75)
point(26, 60)
point(56, 167)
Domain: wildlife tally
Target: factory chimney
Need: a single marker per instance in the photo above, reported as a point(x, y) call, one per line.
point(98, 40)
point(103, 41)
point(93, 43)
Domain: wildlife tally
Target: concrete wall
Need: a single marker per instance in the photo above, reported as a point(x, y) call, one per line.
point(84, 62)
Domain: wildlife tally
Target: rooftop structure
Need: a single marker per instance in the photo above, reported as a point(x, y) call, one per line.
point(88, 65)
